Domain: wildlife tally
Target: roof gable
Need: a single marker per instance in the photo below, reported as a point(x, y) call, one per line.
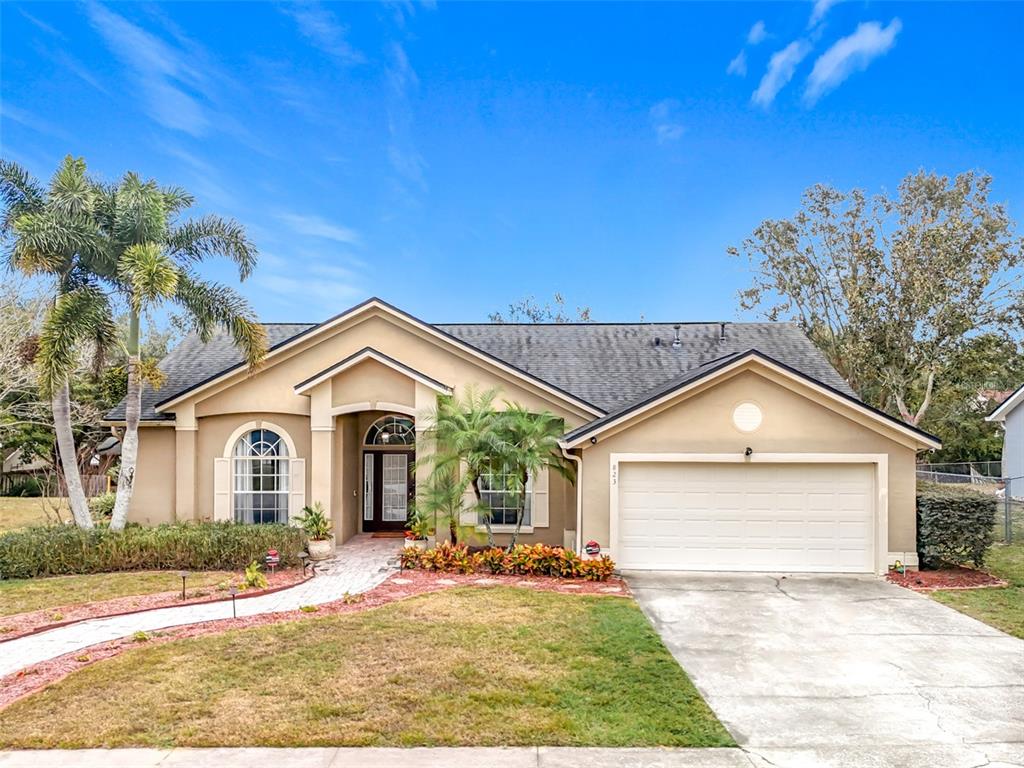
point(722, 367)
point(1000, 413)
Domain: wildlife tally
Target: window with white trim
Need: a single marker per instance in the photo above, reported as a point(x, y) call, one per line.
point(498, 491)
point(260, 467)
point(392, 430)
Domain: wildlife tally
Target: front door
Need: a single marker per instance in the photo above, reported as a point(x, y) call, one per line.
point(387, 489)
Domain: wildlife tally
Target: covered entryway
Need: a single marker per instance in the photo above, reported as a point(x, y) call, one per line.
point(746, 516)
point(388, 479)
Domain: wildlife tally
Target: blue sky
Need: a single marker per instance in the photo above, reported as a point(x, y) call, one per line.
point(454, 158)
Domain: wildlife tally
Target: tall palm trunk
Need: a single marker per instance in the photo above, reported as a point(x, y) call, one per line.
point(130, 439)
point(61, 403)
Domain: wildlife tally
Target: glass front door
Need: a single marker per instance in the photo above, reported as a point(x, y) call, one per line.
point(387, 490)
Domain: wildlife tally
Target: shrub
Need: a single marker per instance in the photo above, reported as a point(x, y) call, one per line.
point(522, 560)
point(60, 550)
point(314, 522)
point(254, 578)
point(102, 507)
point(27, 487)
point(954, 525)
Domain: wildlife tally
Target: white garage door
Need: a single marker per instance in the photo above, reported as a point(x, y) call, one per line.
point(746, 517)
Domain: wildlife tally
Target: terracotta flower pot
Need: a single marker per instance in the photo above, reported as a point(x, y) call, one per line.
point(320, 550)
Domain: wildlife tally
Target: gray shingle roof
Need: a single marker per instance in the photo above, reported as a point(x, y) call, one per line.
point(609, 365)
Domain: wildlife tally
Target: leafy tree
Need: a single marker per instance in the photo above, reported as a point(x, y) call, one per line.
point(529, 311)
point(892, 288)
point(150, 260)
point(530, 447)
point(51, 233)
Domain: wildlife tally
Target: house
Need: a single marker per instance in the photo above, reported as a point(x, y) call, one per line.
point(710, 446)
point(1012, 418)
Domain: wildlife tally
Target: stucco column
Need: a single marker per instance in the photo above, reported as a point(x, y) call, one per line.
point(186, 433)
point(321, 424)
point(425, 403)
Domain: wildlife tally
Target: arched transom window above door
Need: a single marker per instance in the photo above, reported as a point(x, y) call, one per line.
point(394, 431)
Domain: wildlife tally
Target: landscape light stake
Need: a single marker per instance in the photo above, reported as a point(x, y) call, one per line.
point(233, 591)
point(184, 575)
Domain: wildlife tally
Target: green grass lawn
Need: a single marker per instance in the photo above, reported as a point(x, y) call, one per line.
point(24, 595)
point(17, 512)
point(470, 666)
point(1001, 607)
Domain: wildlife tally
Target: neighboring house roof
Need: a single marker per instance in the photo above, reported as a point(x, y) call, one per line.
point(1011, 402)
point(723, 365)
point(606, 365)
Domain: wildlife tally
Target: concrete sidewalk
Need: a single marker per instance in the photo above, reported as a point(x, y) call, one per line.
point(517, 757)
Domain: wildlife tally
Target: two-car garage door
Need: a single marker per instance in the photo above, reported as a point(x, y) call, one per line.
point(746, 517)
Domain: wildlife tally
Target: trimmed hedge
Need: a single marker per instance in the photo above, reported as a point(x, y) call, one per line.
point(61, 550)
point(954, 525)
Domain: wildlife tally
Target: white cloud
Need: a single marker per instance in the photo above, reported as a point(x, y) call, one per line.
point(167, 76)
point(821, 7)
point(738, 66)
point(314, 226)
point(853, 53)
point(322, 29)
point(31, 121)
point(757, 33)
point(665, 121)
point(781, 67)
point(403, 155)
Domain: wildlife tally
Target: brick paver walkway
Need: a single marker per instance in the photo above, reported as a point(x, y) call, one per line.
point(360, 564)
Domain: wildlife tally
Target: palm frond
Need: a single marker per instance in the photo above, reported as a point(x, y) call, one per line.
point(76, 317)
point(140, 212)
point(149, 274)
point(71, 191)
point(46, 241)
point(211, 304)
point(19, 192)
point(211, 236)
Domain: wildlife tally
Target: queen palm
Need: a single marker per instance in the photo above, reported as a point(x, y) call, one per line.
point(52, 233)
point(150, 261)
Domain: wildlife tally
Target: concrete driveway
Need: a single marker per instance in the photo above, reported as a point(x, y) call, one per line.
point(842, 670)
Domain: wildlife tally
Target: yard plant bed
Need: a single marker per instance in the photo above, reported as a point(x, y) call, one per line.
point(1000, 607)
point(461, 666)
point(30, 605)
point(945, 578)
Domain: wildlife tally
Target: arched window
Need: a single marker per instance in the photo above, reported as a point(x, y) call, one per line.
point(260, 468)
point(392, 430)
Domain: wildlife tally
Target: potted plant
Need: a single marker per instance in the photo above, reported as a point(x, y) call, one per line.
point(318, 529)
point(417, 530)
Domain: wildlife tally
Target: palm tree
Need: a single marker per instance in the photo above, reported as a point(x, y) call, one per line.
point(52, 233)
point(531, 446)
point(464, 434)
point(150, 261)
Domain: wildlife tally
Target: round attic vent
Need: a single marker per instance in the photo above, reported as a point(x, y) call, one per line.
point(747, 417)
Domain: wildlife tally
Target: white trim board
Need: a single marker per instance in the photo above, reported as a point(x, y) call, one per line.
point(880, 461)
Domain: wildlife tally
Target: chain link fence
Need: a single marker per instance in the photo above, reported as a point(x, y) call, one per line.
point(985, 476)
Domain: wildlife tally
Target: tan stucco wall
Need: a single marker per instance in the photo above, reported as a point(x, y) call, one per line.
point(153, 499)
point(214, 432)
point(370, 381)
point(794, 422)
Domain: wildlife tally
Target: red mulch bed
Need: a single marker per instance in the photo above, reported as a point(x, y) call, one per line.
point(19, 624)
point(945, 578)
point(397, 587)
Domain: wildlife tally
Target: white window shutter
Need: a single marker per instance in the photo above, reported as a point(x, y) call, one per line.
point(539, 500)
point(297, 488)
point(222, 490)
point(469, 515)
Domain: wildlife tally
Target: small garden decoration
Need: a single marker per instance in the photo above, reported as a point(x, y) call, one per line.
point(318, 529)
point(521, 560)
